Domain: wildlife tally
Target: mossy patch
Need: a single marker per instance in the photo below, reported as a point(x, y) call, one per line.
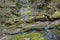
point(56, 14)
point(32, 36)
point(57, 26)
point(31, 27)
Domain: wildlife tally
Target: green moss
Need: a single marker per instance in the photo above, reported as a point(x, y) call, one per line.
point(56, 14)
point(41, 18)
point(27, 28)
point(39, 27)
point(31, 18)
point(10, 21)
point(57, 26)
point(32, 36)
point(29, 12)
point(38, 18)
point(58, 32)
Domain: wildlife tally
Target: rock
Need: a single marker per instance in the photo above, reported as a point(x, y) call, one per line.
point(26, 38)
point(13, 31)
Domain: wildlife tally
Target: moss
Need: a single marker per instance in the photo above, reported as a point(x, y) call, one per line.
point(56, 14)
point(31, 18)
point(58, 32)
point(57, 26)
point(38, 18)
point(15, 25)
point(32, 36)
point(27, 28)
point(41, 18)
point(9, 22)
point(41, 27)
point(29, 12)
point(31, 26)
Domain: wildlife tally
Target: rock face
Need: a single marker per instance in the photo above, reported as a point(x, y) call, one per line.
point(28, 14)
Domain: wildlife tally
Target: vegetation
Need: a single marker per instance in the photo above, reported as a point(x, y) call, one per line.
point(23, 14)
point(56, 14)
point(32, 36)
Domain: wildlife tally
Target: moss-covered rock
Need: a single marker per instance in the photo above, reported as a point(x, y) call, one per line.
point(56, 14)
point(39, 26)
point(32, 36)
